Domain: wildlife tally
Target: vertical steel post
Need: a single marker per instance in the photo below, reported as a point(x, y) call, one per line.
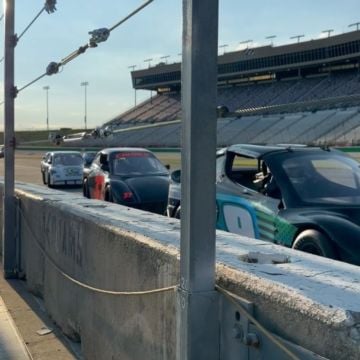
point(47, 108)
point(9, 233)
point(85, 84)
point(85, 116)
point(46, 88)
point(197, 300)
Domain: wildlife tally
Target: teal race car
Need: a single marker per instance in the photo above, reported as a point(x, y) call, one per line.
point(306, 198)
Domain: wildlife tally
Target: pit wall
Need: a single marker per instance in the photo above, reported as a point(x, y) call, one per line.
point(309, 301)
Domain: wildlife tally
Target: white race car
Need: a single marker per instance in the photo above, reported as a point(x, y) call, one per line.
point(62, 168)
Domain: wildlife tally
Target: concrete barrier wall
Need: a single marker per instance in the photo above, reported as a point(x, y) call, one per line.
point(310, 301)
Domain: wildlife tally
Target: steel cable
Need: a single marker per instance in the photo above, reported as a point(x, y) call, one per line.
point(28, 27)
point(232, 298)
point(98, 35)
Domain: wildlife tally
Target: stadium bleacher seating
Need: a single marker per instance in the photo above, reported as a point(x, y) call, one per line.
point(321, 109)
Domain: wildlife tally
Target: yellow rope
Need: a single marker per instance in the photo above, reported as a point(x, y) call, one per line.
point(86, 286)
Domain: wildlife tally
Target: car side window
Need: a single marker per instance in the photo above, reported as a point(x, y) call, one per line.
point(242, 170)
point(96, 162)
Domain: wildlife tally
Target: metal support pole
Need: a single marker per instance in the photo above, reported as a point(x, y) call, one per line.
point(9, 231)
point(198, 335)
point(85, 116)
point(46, 88)
point(85, 84)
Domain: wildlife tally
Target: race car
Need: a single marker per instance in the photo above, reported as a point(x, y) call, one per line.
point(301, 197)
point(128, 176)
point(62, 168)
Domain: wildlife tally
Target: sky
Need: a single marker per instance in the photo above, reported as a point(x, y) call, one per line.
point(152, 33)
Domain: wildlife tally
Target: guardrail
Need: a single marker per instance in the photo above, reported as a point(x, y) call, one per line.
point(108, 273)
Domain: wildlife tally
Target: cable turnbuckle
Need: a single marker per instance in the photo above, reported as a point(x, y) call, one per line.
point(98, 36)
point(49, 6)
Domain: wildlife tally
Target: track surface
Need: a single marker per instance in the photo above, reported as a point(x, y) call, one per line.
point(27, 167)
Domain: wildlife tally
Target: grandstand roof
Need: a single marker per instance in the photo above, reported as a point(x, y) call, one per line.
point(265, 59)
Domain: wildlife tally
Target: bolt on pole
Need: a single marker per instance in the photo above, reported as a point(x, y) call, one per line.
point(9, 231)
point(197, 300)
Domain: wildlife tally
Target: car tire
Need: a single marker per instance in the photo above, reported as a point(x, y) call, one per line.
point(314, 242)
point(108, 195)
point(86, 192)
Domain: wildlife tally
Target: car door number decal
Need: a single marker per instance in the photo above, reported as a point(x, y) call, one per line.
point(238, 220)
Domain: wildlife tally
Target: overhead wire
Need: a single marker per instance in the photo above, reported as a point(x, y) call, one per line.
point(49, 7)
point(97, 36)
point(28, 27)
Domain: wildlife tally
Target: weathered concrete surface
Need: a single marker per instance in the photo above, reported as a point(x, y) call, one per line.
point(29, 316)
point(311, 301)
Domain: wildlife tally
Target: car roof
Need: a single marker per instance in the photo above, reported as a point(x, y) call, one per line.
point(258, 151)
point(63, 152)
point(123, 149)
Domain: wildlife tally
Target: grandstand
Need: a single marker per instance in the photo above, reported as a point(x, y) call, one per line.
point(308, 92)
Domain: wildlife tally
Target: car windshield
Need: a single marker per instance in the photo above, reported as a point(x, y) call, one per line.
point(325, 178)
point(67, 159)
point(136, 163)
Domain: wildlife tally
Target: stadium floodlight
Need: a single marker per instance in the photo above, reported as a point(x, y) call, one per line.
point(355, 24)
point(223, 47)
point(298, 37)
point(85, 84)
point(132, 67)
point(328, 32)
point(46, 88)
point(271, 37)
point(246, 42)
point(148, 61)
point(165, 57)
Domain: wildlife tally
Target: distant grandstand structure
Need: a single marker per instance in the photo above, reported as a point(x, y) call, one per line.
point(307, 92)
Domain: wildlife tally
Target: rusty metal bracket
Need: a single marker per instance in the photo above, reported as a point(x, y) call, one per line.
point(241, 339)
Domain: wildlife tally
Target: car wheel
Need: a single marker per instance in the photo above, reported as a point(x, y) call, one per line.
point(86, 192)
point(43, 177)
point(108, 195)
point(314, 242)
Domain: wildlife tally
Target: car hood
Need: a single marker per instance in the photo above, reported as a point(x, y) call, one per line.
point(153, 188)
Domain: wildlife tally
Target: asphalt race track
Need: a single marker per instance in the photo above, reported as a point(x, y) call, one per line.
point(27, 167)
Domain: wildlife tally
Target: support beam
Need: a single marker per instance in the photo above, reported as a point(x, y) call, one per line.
point(9, 243)
point(197, 299)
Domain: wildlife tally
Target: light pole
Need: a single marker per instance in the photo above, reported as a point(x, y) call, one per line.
point(132, 67)
point(355, 24)
point(271, 37)
point(165, 58)
point(298, 37)
point(223, 47)
point(328, 32)
point(246, 42)
point(148, 61)
point(85, 84)
point(46, 88)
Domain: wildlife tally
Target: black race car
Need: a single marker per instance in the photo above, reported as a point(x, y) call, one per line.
point(301, 197)
point(129, 176)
